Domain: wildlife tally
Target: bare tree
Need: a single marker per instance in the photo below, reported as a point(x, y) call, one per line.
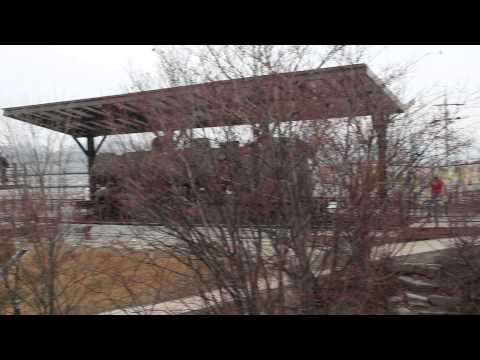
point(67, 271)
point(256, 217)
point(273, 214)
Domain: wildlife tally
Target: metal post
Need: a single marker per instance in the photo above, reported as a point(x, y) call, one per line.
point(4, 274)
point(380, 124)
point(91, 153)
point(91, 160)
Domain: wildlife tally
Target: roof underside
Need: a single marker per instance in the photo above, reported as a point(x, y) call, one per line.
point(307, 95)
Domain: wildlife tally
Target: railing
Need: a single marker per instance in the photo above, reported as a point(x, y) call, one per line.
point(411, 207)
point(18, 177)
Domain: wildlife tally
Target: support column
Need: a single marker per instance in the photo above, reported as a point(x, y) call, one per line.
point(91, 153)
point(380, 125)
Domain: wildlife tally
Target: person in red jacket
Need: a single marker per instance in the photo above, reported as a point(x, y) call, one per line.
point(437, 186)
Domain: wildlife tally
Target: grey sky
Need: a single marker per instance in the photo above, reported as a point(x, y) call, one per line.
point(38, 73)
point(44, 73)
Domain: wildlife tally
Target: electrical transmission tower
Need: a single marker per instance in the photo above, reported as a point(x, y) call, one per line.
point(447, 120)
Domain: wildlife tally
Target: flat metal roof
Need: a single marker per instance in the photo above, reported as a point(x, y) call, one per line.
point(341, 91)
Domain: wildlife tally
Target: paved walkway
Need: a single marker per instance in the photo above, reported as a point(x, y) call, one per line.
point(185, 305)
point(196, 303)
point(449, 221)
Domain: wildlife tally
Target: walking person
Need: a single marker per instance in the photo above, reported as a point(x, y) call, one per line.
point(4, 165)
point(436, 187)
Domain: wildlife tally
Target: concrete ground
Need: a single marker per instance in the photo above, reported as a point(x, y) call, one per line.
point(196, 303)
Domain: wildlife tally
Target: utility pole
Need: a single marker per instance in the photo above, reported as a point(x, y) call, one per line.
point(447, 121)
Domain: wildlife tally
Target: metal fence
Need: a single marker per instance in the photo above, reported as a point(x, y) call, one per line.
point(20, 177)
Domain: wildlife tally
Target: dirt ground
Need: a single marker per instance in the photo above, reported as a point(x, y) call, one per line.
point(94, 280)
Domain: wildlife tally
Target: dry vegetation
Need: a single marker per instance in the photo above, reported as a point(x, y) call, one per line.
point(93, 280)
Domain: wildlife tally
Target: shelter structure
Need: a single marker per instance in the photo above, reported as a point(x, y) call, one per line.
point(335, 92)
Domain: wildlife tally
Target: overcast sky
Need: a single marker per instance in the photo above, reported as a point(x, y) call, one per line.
point(45, 73)
point(39, 73)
